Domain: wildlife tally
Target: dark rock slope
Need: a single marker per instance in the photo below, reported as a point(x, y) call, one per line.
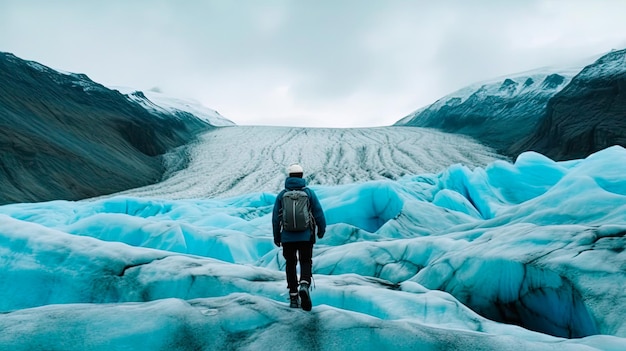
point(586, 116)
point(62, 136)
point(498, 112)
point(561, 113)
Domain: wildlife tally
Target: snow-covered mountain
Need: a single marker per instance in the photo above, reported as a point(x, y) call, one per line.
point(64, 136)
point(498, 111)
point(160, 103)
point(588, 115)
point(513, 114)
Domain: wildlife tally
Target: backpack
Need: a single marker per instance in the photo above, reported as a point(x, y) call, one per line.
point(296, 216)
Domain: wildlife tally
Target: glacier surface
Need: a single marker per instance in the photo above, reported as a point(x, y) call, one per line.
point(233, 161)
point(509, 256)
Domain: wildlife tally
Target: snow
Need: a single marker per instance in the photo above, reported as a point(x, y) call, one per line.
point(494, 86)
point(162, 103)
point(436, 259)
point(609, 64)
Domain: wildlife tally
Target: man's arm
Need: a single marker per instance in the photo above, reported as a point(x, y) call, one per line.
point(276, 214)
point(318, 214)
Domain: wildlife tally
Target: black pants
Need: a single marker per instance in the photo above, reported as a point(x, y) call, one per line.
point(304, 251)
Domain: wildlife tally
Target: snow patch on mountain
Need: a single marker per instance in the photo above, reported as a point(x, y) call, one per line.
point(162, 103)
point(541, 81)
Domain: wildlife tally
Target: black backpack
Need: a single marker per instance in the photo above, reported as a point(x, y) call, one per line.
point(296, 216)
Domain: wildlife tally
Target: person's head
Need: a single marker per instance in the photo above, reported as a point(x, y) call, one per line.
point(295, 170)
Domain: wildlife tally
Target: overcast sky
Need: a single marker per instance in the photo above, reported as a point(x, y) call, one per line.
point(308, 63)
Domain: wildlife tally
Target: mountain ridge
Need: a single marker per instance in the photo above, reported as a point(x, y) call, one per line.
point(513, 103)
point(588, 115)
point(64, 136)
point(503, 113)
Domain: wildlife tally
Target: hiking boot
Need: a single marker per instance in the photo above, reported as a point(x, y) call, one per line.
point(294, 302)
point(305, 298)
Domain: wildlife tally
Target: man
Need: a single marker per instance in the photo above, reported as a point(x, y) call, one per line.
point(297, 242)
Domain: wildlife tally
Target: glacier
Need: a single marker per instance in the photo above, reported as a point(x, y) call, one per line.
point(506, 256)
point(232, 161)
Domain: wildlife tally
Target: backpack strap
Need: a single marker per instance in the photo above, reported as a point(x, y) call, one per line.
point(313, 224)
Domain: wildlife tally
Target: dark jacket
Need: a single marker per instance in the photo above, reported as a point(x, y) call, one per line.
point(283, 236)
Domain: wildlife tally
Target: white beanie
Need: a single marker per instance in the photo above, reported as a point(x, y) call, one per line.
point(294, 168)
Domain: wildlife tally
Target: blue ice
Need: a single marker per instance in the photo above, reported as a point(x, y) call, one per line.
point(511, 256)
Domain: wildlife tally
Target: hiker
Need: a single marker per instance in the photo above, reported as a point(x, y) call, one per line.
point(297, 214)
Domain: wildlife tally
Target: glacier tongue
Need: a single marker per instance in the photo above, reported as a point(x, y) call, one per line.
point(239, 160)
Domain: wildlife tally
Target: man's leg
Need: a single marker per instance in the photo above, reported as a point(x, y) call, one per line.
point(305, 252)
point(289, 253)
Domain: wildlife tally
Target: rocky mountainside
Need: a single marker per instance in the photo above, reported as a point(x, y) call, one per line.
point(63, 136)
point(496, 112)
point(588, 115)
point(563, 113)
